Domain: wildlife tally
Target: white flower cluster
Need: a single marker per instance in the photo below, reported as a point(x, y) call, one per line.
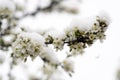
point(56, 38)
point(33, 45)
point(58, 44)
point(27, 44)
point(82, 34)
point(7, 8)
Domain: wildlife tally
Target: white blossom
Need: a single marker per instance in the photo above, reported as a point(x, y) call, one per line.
point(58, 44)
point(28, 44)
point(57, 37)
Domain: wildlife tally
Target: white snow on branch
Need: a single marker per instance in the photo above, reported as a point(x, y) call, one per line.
point(105, 17)
point(86, 23)
point(49, 54)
